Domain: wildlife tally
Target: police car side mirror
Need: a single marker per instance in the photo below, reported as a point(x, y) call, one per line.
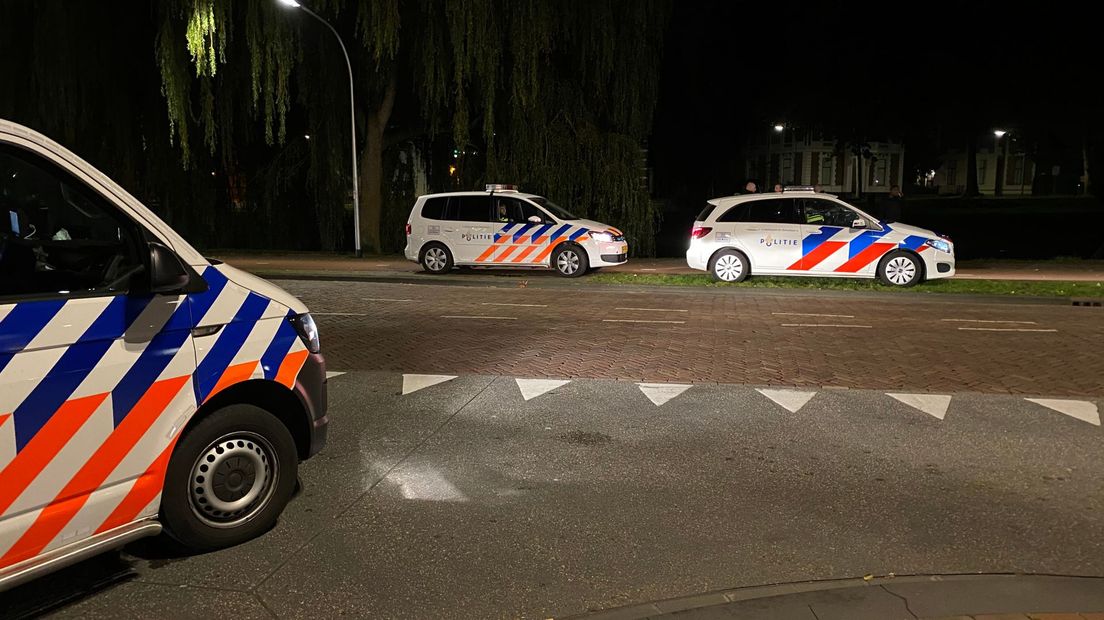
point(169, 274)
point(859, 223)
point(535, 219)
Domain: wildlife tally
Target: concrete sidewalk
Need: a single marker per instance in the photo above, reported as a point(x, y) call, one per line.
point(956, 597)
point(320, 264)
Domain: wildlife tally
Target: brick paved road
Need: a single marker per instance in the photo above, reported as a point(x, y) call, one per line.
point(748, 337)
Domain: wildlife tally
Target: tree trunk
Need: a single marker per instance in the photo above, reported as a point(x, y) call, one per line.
point(371, 172)
point(1085, 166)
point(971, 170)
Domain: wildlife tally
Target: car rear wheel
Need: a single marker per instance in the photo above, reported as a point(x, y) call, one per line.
point(729, 266)
point(436, 258)
point(229, 478)
point(900, 269)
point(570, 261)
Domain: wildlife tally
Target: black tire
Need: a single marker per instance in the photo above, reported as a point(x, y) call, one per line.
point(900, 268)
point(436, 258)
point(240, 447)
point(729, 266)
point(570, 260)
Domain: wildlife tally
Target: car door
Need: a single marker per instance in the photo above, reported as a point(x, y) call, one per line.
point(524, 233)
point(837, 240)
point(92, 370)
point(771, 234)
point(470, 230)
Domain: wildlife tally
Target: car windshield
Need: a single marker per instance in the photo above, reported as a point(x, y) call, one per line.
point(554, 209)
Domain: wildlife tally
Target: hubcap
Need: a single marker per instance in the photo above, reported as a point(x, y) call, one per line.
point(233, 479)
point(435, 259)
point(729, 267)
point(567, 262)
point(900, 270)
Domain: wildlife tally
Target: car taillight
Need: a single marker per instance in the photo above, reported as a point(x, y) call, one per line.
point(700, 231)
point(408, 229)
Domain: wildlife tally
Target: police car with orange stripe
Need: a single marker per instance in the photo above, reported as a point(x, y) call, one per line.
point(501, 227)
point(142, 386)
point(801, 232)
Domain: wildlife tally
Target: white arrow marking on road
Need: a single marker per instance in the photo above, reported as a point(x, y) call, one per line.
point(413, 383)
point(792, 400)
point(332, 374)
point(1080, 409)
point(934, 405)
point(532, 388)
point(660, 393)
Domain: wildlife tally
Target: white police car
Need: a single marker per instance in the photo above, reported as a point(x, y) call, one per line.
point(141, 385)
point(800, 232)
point(501, 227)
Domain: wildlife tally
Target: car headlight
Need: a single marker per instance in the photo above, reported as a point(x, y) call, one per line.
point(940, 244)
point(601, 236)
point(308, 331)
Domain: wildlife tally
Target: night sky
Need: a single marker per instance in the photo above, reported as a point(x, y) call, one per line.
point(929, 74)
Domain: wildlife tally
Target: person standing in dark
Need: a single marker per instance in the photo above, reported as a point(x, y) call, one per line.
point(750, 188)
point(891, 206)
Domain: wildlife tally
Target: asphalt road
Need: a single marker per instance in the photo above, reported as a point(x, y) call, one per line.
point(462, 499)
point(494, 495)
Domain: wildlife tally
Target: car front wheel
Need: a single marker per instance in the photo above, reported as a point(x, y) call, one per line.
point(900, 269)
point(229, 478)
point(570, 261)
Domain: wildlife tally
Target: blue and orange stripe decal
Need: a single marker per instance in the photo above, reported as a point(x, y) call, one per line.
point(227, 345)
point(22, 324)
point(73, 367)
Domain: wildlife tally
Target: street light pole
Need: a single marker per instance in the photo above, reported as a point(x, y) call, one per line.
point(352, 121)
point(997, 182)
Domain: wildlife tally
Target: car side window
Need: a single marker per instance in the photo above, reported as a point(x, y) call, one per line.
point(435, 208)
point(736, 213)
point(57, 236)
point(828, 213)
point(772, 211)
point(469, 209)
point(514, 210)
point(530, 211)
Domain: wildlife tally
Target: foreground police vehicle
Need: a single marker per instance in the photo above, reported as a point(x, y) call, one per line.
point(501, 227)
point(141, 385)
point(805, 233)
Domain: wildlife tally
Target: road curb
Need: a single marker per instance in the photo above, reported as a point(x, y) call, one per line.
point(851, 590)
point(520, 281)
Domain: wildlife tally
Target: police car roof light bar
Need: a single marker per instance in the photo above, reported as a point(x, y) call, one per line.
point(499, 187)
point(799, 188)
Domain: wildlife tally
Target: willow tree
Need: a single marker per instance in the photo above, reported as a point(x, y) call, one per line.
point(558, 95)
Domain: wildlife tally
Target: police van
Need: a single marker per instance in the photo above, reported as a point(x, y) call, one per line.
point(142, 386)
point(501, 227)
point(801, 232)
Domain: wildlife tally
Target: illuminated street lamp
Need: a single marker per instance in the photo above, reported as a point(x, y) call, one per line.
point(779, 127)
point(997, 135)
point(352, 120)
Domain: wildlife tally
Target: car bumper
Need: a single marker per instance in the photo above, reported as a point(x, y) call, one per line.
point(310, 387)
point(608, 254)
point(697, 257)
point(938, 265)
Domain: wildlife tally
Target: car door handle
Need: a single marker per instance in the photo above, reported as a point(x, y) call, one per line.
point(449, 230)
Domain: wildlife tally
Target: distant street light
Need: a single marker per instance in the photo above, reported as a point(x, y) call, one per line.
point(352, 121)
point(779, 127)
point(997, 182)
